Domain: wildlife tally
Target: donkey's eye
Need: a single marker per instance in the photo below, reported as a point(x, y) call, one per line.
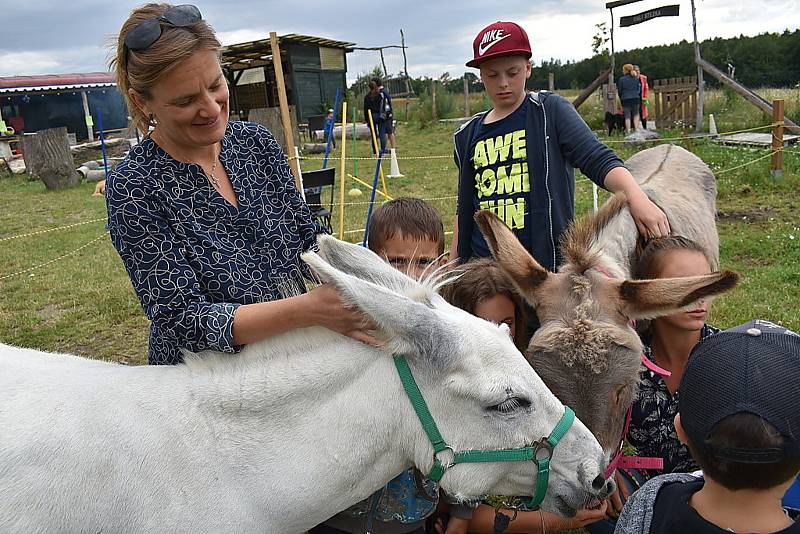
point(511, 405)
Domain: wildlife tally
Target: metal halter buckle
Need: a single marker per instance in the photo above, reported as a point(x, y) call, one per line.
point(543, 445)
point(451, 462)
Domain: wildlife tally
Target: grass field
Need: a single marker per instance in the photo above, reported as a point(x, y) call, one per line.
point(80, 300)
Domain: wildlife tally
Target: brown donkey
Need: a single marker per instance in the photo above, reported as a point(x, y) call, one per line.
point(586, 349)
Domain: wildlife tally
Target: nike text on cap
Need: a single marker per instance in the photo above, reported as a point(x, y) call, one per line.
point(500, 39)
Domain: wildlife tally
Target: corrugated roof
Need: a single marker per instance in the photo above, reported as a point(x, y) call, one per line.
point(51, 88)
point(259, 53)
point(99, 79)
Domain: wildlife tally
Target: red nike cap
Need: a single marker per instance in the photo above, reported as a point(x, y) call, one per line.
point(500, 39)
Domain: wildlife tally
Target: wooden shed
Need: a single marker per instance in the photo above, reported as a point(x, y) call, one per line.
point(313, 68)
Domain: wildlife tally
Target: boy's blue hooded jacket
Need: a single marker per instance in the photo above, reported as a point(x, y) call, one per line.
point(557, 141)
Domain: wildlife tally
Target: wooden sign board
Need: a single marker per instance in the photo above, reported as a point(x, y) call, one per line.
point(644, 16)
point(618, 3)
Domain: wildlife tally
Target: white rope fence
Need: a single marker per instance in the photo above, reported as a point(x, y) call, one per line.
point(792, 151)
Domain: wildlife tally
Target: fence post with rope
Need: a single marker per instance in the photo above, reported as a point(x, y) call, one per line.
point(777, 151)
point(777, 139)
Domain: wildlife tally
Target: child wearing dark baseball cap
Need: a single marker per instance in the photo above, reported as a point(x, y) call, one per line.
point(739, 414)
point(518, 158)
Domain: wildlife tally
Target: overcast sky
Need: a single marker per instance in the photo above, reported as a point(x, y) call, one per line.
point(63, 36)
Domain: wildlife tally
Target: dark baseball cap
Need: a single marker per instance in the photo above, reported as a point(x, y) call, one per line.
point(497, 40)
point(754, 368)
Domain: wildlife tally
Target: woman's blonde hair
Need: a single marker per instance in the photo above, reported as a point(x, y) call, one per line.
point(627, 68)
point(142, 69)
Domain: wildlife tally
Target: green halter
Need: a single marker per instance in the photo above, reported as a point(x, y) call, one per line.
point(540, 453)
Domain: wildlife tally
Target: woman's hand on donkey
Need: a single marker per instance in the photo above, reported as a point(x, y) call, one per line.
point(327, 309)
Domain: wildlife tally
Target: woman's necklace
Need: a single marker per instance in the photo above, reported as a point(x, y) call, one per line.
point(211, 178)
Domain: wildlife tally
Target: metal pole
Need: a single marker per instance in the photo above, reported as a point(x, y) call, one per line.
point(700, 82)
point(102, 139)
point(611, 74)
point(372, 197)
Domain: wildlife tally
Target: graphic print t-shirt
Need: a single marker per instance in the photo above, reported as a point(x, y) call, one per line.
point(500, 166)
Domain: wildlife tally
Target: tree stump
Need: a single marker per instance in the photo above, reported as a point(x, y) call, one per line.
point(48, 158)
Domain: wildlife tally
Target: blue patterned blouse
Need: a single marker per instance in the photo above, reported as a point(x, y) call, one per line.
point(192, 257)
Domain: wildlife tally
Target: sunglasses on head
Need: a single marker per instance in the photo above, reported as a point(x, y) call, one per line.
point(143, 35)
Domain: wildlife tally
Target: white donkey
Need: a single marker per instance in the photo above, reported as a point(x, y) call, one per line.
point(285, 434)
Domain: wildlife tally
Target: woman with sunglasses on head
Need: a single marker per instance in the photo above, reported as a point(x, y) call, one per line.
point(204, 212)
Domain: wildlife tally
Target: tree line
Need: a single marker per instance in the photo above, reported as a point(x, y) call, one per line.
point(766, 60)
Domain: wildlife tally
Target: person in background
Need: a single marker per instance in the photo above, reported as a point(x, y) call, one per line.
point(389, 113)
point(630, 94)
point(327, 127)
point(645, 97)
point(375, 106)
point(204, 212)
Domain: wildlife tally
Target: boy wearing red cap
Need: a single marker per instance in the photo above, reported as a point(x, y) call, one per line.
point(517, 160)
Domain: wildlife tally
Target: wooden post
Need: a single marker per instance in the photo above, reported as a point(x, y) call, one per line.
point(777, 139)
point(551, 82)
point(746, 93)
point(87, 115)
point(383, 62)
point(433, 99)
point(591, 89)
point(700, 82)
point(405, 68)
point(342, 172)
point(284, 104)
point(466, 96)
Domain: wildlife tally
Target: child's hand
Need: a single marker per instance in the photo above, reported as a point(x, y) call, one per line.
point(582, 518)
point(649, 219)
point(457, 525)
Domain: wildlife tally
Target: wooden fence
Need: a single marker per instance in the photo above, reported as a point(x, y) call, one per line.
point(675, 102)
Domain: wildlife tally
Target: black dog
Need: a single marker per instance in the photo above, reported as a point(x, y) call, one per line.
point(614, 121)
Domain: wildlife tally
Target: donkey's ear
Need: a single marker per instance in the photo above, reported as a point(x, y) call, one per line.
point(648, 299)
point(409, 327)
point(512, 257)
point(363, 263)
